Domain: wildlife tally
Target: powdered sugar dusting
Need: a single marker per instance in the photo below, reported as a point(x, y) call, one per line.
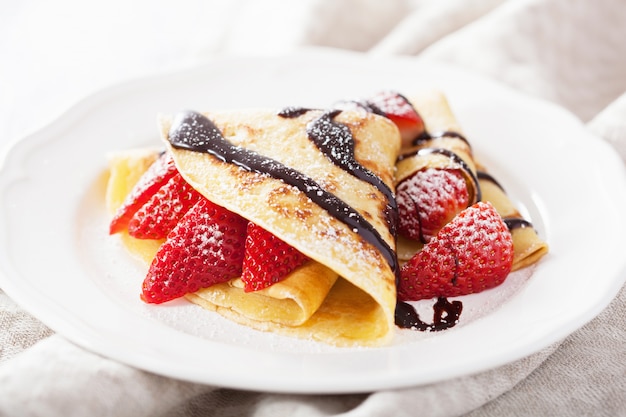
point(428, 200)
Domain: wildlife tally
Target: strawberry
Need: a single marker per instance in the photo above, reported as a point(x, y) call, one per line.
point(267, 259)
point(205, 248)
point(154, 178)
point(401, 112)
point(428, 200)
point(160, 214)
point(470, 254)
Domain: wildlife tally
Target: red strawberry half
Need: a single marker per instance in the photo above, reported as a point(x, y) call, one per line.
point(267, 259)
point(154, 178)
point(470, 254)
point(205, 248)
point(401, 112)
point(161, 213)
point(428, 200)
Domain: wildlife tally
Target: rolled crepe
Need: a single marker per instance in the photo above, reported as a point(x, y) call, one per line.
point(441, 146)
point(444, 132)
point(346, 294)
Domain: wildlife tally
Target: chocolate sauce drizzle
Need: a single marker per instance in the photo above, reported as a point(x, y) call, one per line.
point(516, 223)
point(426, 136)
point(291, 112)
point(454, 158)
point(335, 140)
point(195, 132)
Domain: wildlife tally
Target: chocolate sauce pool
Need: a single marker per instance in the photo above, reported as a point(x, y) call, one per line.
point(446, 315)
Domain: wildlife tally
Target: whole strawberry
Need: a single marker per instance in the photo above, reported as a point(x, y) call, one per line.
point(428, 200)
point(470, 254)
point(205, 248)
point(267, 259)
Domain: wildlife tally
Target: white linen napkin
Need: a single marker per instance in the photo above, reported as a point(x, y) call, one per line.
point(568, 51)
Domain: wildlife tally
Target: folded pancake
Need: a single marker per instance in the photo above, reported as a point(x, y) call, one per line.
point(320, 181)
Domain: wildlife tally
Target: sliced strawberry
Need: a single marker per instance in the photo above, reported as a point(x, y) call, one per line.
point(154, 178)
point(205, 248)
point(267, 259)
point(428, 200)
point(400, 111)
point(156, 218)
point(470, 254)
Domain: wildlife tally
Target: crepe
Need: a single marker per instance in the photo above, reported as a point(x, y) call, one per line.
point(346, 294)
point(441, 146)
point(444, 132)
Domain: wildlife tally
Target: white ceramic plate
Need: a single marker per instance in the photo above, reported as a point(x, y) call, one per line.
point(57, 261)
